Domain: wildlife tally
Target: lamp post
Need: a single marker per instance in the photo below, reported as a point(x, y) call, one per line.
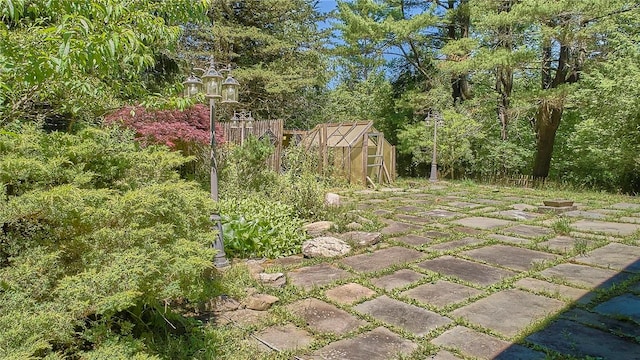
point(437, 120)
point(242, 120)
point(226, 91)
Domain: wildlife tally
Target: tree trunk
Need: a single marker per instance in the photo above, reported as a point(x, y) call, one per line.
point(547, 122)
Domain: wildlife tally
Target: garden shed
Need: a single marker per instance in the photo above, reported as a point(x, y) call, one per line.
point(357, 149)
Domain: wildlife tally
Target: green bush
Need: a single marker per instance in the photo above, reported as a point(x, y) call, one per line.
point(97, 234)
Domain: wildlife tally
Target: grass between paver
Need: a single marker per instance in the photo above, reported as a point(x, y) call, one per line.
point(235, 341)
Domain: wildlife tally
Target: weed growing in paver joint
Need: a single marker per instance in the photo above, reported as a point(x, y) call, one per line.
point(580, 246)
point(562, 226)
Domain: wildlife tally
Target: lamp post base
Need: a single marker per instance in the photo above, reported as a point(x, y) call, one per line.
point(220, 259)
point(434, 173)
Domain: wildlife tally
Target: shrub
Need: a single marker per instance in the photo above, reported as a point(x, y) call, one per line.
point(97, 234)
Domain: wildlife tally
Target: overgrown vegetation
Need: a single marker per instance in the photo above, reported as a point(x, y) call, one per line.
point(98, 236)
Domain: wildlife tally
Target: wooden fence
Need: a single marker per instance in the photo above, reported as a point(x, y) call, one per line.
point(264, 129)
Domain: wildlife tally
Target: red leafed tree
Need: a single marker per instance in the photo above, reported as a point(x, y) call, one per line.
point(175, 128)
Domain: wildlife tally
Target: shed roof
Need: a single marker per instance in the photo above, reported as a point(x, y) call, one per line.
point(340, 135)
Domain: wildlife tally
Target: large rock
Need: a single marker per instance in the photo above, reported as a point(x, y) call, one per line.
point(361, 238)
point(332, 199)
point(318, 228)
point(260, 302)
point(325, 246)
point(274, 279)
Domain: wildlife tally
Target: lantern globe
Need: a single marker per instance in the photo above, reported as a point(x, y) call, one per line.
point(230, 90)
point(192, 86)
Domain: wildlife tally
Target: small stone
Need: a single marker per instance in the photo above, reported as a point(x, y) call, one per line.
point(332, 199)
point(318, 228)
point(325, 246)
point(354, 226)
point(275, 279)
point(260, 302)
point(361, 238)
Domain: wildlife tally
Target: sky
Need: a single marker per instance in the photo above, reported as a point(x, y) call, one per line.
point(326, 5)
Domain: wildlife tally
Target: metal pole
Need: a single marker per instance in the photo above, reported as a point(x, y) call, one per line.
point(434, 166)
point(220, 259)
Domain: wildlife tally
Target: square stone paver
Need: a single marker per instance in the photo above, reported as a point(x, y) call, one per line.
point(509, 256)
point(629, 219)
point(381, 259)
point(414, 219)
point(571, 338)
point(606, 227)
point(568, 292)
point(451, 245)
point(614, 256)
point(441, 293)
point(409, 317)
point(516, 214)
point(489, 202)
point(398, 279)
point(529, 230)
point(317, 275)
point(287, 337)
point(626, 206)
point(484, 223)
point(414, 240)
point(566, 244)
point(409, 209)
point(580, 275)
point(478, 345)
point(440, 213)
point(626, 305)
point(395, 227)
point(378, 344)
point(349, 293)
point(436, 234)
point(509, 312)
point(616, 326)
point(510, 239)
point(464, 205)
point(324, 317)
point(481, 274)
point(584, 214)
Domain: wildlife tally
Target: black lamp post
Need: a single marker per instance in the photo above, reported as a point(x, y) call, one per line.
point(437, 120)
point(226, 91)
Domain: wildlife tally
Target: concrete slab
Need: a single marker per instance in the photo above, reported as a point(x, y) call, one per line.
point(519, 307)
point(443, 355)
point(378, 344)
point(317, 275)
point(509, 256)
point(349, 293)
point(566, 244)
point(396, 227)
point(484, 223)
point(398, 279)
point(580, 275)
point(440, 214)
point(414, 240)
point(523, 207)
point(614, 256)
point(478, 345)
point(436, 234)
point(571, 338)
point(510, 239)
point(381, 259)
point(626, 306)
point(286, 337)
point(323, 317)
point(240, 317)
point(483, 210)
point(489, 202)
point(516, 214)
point(452, 245)
point(411, 318)
point(541, 286)
point(606, 227)
point(472, 272)
point(630, 219)
point(531, 231)
point(626, 206)
point(441, 293)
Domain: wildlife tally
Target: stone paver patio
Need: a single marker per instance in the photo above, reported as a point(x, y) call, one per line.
point(449, 281)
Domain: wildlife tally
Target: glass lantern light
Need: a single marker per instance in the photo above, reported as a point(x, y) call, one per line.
point(192, 86)
point(230, 90)
point(212, 82)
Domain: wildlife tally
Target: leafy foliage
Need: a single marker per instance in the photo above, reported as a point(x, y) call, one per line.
point(96, 234)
